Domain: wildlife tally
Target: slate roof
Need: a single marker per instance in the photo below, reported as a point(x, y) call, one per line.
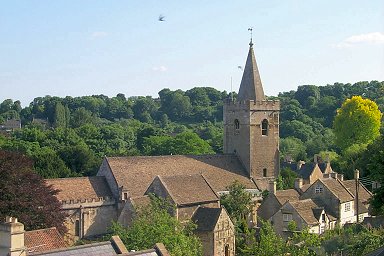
point(94, 249)
point(305, 209)
point(306, 170)
point(80, 188)
point(338, 189)
point(206, 218)
point(188, 189)
point(43, 240)
point(140, 201)
point(136, 173)
point(364, 193)
point(287, 194)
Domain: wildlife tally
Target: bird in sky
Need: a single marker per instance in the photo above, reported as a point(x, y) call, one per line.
point(161, 17)
point(240, 67)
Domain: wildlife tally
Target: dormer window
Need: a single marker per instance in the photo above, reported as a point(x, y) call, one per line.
point(264, 127)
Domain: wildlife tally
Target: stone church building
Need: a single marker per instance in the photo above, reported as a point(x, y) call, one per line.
point(193, 183)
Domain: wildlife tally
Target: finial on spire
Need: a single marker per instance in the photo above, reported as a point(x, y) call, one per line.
point(250, 29)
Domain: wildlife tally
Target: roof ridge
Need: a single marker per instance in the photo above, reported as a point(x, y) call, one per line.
point(41, 229)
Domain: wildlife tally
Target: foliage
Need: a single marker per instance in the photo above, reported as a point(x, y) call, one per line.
point(352, 240)
point(153, 224)
point(286, 179)
point(25, 195)
point(237, 202)
point(357, 122)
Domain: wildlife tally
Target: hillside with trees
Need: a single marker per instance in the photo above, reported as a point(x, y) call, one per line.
point(69, 136)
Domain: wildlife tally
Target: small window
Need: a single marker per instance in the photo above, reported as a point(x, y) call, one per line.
point(318, 189)
point(227, 250)
point(237, 124)
point(77, 228)
point(347, 207)
point(265, 172)
point(264, 127)
point(287, 217)
point(125, 195)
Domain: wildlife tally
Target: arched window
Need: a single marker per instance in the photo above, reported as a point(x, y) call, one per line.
point(264, 127)
point(237, 124)
point(227, 250)
point(265, 172)
point(77, 228)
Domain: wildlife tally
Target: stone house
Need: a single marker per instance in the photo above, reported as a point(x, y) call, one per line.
point(337, 200)
point(305, 213)
point(215, 230)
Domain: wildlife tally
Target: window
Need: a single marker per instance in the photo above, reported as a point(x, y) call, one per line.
point(322, 217)
point(237, 124)
point(287, 217)
point(125, 196)
point(265, 172)
point(361, 218)
point(77, 228)
point(347, 207)
point(319, 189)
point(264, 127)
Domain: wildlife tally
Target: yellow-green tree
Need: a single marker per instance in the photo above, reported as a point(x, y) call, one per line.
point(357, 122)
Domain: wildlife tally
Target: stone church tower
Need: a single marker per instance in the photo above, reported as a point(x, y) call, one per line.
point(251, 125)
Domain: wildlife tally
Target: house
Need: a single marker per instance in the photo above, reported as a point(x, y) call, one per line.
point(11, 125)
point(337, 200)
point(305, 213)
point(215, 230)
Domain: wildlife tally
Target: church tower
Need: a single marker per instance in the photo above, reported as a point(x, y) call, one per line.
point(251, 125)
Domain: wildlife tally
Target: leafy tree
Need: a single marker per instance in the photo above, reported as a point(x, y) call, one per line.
point(153, 224)
point(237, 202)
point(292, 147)
point(25, 195)
point(357, 122)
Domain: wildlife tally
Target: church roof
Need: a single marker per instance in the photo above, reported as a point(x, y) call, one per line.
point(250, 86)
point(80, 188)
point(137, 173)
point(188, 189)
point(43, 240)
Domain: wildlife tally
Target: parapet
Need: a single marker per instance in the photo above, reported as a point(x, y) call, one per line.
point(88, 201)
point(253, 104)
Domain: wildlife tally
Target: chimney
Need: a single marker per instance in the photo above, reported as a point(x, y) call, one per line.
point(315, 159)
point(298, 183)
point(357, 174)
point(300, 164)
point(340, 177)
point(272, 187)
point(12, 238)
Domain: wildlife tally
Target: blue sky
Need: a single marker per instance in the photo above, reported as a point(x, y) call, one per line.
point(86, 47)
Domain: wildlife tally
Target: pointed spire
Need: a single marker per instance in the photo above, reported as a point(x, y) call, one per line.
point(251, 87)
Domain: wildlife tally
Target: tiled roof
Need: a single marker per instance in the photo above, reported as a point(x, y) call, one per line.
point(305, 209)
point(287, 194)
point(364, 193)
point(140, 201)
point(80, 188)
point(188, 189)
point(95, 249)
point(338, 189)
point(43, 240)
point(206, 218)
point(137, 173)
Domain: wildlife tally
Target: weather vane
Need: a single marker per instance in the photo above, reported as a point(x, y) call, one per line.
point(250, 29)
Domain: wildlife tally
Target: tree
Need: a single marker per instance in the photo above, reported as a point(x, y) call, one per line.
point(154, 224)
point(237, 202)
point(25, 195)
point(357, 122)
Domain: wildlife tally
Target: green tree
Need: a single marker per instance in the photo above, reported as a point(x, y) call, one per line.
point(237, 202)
point(154, 224)
point(25, 195)
point(357, 122)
